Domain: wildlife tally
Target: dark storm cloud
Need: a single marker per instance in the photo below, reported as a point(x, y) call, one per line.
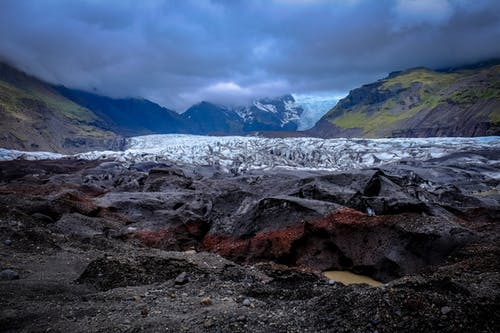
point(180, 52)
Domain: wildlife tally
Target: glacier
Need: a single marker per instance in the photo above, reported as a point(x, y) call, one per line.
point(315, 107)
point(240, 154)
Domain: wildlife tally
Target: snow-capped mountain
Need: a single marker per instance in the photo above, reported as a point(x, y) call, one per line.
point(237, 154)
point(271, 114)
point(267, 114)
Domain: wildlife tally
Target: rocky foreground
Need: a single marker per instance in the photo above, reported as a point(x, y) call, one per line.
point(109, 246)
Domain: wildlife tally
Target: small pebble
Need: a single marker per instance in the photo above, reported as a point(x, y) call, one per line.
point(7, 242)
point(246, 302)
point(181, 279)
point(206, 301)
point(445, 310)
point(331, 282)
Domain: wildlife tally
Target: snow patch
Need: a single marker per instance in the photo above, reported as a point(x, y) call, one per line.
point(265, 107)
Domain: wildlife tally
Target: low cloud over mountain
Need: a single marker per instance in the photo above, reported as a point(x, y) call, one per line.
point(180, 52)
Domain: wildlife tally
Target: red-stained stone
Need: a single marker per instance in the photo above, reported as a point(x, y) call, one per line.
point(180, 237)
point(317, 244)
point(279, 242)
point(153, 238)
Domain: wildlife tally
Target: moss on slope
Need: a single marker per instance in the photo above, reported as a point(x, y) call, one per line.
point(420, 99)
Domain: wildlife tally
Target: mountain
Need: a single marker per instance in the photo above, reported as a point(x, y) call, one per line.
point(267, 114)
point(129, 116)
point(420, 102)
point(271, 114)
point(208, 118)
point(35, 116)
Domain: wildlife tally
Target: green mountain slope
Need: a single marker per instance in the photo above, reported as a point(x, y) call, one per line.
point(419, 103)
point(34, 116)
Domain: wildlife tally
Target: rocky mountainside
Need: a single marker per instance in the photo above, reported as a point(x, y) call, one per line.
point(420, 103)
point(35, 116)
point(129, 116)
point(271, 114)
point(267, 114)
point(209, 118)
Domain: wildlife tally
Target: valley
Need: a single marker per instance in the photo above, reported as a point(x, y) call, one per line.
point(462, 102)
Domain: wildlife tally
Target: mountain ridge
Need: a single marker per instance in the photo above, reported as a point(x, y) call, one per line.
point(129, 116)
point(419, 102)
point(270, 114)
point(34, 116)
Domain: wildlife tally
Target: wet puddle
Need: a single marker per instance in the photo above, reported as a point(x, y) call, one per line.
point(346, 278)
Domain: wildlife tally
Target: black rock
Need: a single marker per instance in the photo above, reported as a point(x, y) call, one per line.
point(181, 279)
point(445, 310)
point(9, 274)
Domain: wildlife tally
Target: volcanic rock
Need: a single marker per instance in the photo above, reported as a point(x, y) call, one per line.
point(182, 278)
point(9, 274)
point(123, 229)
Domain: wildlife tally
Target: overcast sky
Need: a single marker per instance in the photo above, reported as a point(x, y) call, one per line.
point(178, 52)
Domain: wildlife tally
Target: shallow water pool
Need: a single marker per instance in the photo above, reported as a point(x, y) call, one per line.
point(347, 278)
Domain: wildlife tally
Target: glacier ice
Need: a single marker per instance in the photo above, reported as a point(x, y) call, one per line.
point(237, 154)
point(10, 154)
point(315, 106)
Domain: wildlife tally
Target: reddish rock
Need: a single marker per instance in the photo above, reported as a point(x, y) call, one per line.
point(181, 237)
point(382, 246)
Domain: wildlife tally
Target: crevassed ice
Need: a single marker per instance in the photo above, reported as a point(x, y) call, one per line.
point(315, 106)
point(9, 154)
point(238, 154)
